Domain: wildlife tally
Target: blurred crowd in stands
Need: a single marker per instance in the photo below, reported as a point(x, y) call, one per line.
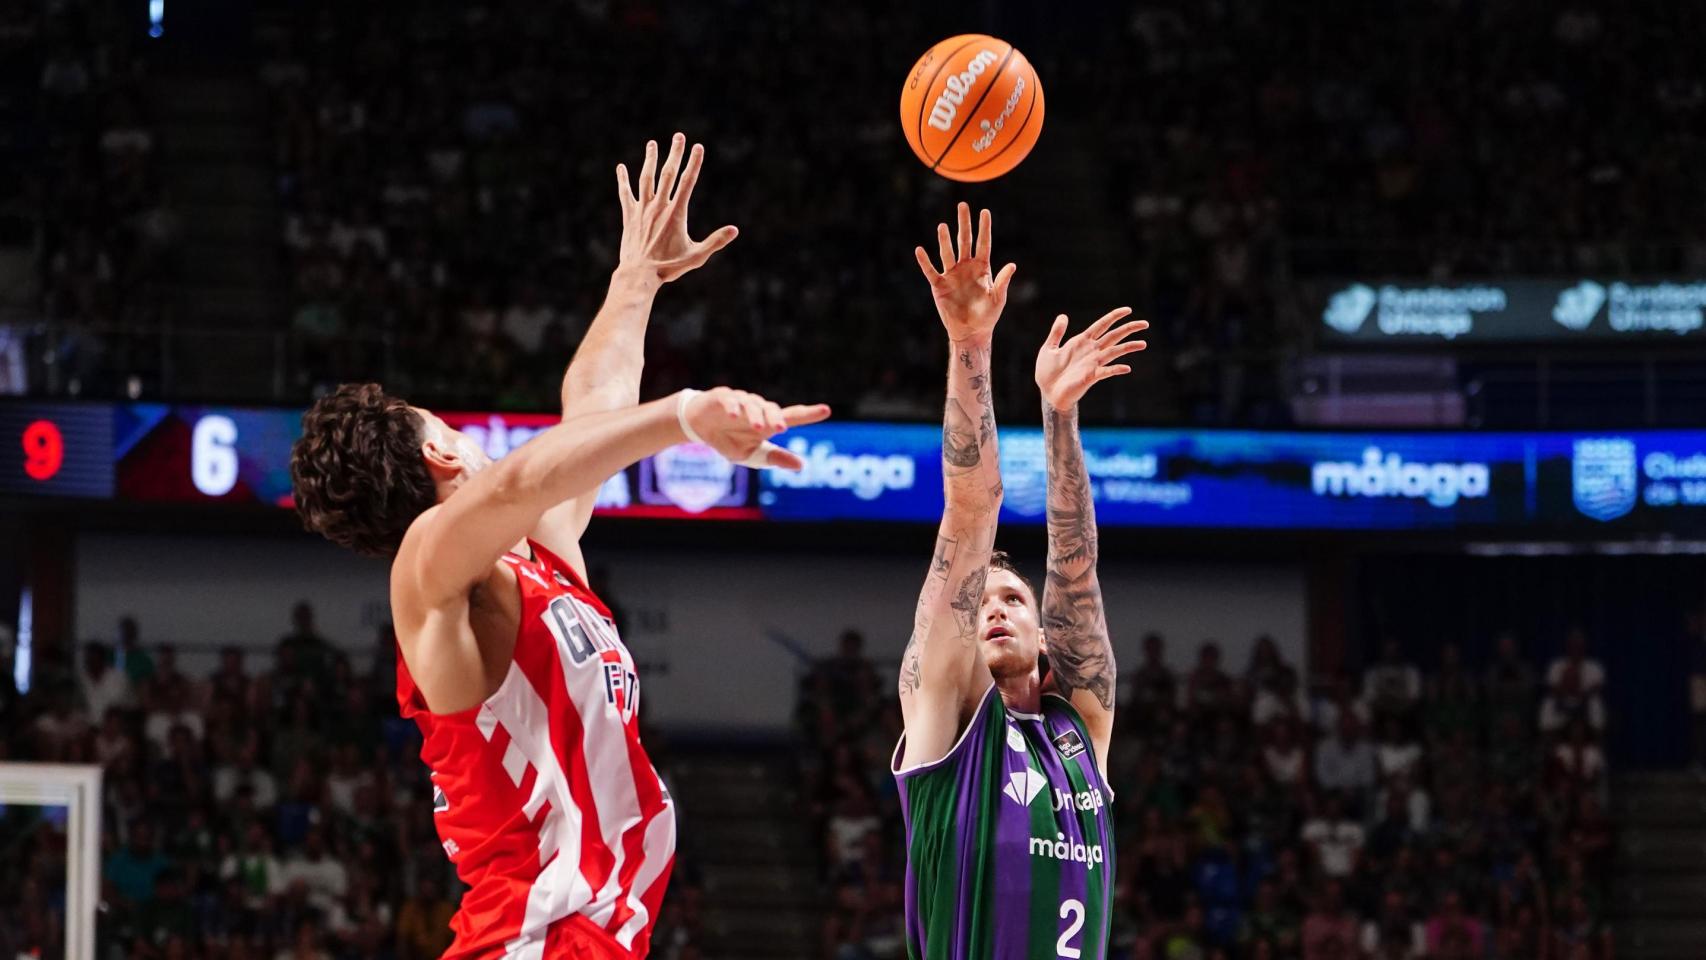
point(271, 810)
point(86, 228)
point(447, 217)
point(1447, 810)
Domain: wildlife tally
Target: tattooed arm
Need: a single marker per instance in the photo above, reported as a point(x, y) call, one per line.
point(1075, 627)
point(940, 670)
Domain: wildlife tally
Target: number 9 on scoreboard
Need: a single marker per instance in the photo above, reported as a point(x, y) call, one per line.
point(63, 450)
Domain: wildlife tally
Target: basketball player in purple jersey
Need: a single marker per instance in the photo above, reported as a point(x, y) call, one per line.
point(1009, 841)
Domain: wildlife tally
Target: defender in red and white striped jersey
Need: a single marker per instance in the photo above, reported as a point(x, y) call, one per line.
point(526, 697)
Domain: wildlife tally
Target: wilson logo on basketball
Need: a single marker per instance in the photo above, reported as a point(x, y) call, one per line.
point(947, 105)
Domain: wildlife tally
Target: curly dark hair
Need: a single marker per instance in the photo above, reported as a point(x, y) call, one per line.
point(357, 471)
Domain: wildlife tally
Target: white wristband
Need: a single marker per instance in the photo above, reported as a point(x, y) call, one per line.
point(682, 400)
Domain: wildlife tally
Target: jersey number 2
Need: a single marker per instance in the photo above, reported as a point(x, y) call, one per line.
point(1073, 910)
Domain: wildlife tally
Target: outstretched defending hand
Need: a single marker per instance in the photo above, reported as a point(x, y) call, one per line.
point(1066, 371)
point(968, 299)
point(654, 224)
point(739, 425)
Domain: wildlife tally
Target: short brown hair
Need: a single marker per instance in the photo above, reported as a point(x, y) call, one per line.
point(1002, 560)
point(357, 471)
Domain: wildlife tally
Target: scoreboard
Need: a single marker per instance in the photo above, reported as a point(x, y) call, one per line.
point(56, 450)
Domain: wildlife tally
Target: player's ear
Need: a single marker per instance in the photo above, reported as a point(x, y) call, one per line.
point(442, 459)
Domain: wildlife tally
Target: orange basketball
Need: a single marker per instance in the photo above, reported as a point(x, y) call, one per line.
point(972, 107)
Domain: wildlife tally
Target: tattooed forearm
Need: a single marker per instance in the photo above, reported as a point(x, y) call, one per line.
point(966, 600)
point(986, 401)
point(960, 446)
point(1080, 654)
point(1072, 539)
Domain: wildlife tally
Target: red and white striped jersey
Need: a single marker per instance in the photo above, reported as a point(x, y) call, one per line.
point(544, 798)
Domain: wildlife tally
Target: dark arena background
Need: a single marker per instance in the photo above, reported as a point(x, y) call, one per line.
point(1403, 512)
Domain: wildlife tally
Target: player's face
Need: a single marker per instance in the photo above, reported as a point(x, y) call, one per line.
point(1009, 631)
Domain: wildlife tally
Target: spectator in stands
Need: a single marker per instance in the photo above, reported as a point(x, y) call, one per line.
point(1154, 689)
point(1395, 754)
point(1588, 674)
point(1265, 667)
point(1453, 700)
point(1284, 757)
point(1578, 761)
point(1394, 830)
point(133, 658)
point(1278, 699)
point(307, 652)
point(1208, 690)
point(322, 876)
point(1453, 933)
point(1509, 684)
point(133, 868)
point(60, 725)
point(853, 688)
point(1572, 697)
point(1335, 840)
point(230, 683)
point(1269, 921)
point(423, 923)
point(114, 743)
point(101, 686)
point(1392, 686)
point(1392, 935)
point(854, 819)
point(1330, 930)
point(1335, 700)
point(171, 700)
point(844, 929)
point(246, 772)
point(1345, 762)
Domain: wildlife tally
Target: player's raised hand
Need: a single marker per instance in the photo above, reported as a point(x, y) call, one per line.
point(654, 222)
point(1067, 370)
point(739, 425)
point(968, 299)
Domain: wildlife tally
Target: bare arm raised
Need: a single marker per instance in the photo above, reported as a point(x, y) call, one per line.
point(940, 669)
point(656, 249)
point(1075, 627)
point(453, 548)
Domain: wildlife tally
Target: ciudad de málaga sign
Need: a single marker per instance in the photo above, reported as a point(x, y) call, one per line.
point(1525, 309)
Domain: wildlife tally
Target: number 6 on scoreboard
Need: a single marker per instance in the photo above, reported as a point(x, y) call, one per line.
point(213, 455)
point(1073, 910)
